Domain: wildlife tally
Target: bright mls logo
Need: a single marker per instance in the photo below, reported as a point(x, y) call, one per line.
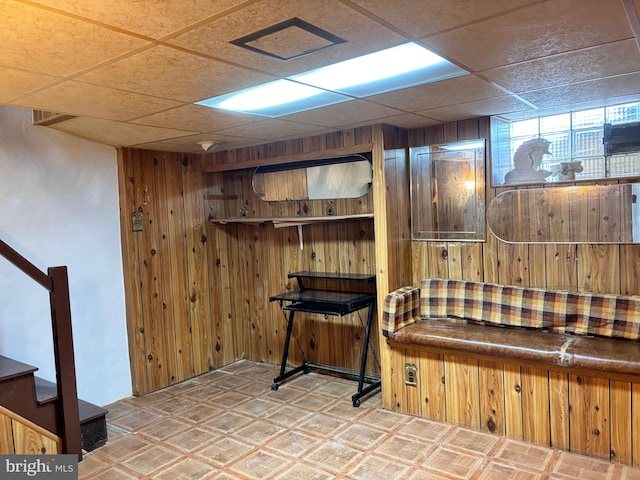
point(50, 467)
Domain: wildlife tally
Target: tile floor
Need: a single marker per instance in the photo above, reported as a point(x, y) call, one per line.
point(229, 424)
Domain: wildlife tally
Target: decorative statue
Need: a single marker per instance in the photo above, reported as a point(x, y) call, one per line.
point(568, 170)
point(527, 160)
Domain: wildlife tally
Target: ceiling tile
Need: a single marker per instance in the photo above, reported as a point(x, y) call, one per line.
point(602, 61)
point(115, 133)
point(481, 108)
point(77, 98)
point(197, 118)
point(271, 128)
point(409, 120)
point(545, 28)
point(353, 111)
point(420, 19)
point(15, 83)
point(45, 42)
point(362, 34)
point(578, 93)
point(431, 95)
point(169, 73)
point(152, 18)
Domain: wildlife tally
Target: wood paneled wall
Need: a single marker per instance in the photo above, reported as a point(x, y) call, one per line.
point(198, 294)
point(593, 415)
point(575, 267)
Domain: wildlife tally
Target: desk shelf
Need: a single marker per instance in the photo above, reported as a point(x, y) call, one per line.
point(328, 302)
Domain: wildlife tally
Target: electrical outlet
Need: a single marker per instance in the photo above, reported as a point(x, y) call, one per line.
point(410, 374)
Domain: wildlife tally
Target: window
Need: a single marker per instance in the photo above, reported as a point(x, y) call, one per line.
point(562, 147)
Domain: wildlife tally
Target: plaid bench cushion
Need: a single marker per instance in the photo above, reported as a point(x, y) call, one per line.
point(615, 316)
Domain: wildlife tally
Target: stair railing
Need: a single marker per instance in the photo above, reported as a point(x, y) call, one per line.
point(56, 281)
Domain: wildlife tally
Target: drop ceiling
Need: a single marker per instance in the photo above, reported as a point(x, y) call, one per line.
point(128, 72)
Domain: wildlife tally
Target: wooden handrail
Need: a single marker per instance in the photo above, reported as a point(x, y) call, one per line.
point(56, 281)
point(25, 265)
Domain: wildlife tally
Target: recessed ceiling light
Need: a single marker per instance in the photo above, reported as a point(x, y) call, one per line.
point(395, 68)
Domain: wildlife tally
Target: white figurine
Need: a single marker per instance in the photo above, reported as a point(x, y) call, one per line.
point(527, 160)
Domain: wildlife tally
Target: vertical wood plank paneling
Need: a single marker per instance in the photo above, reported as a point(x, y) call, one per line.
point(177, 297)
point(599, 268)
point(589, 416)
point(197, 266)
point(432, 385)
point(630, 269)
point(559, 409)
point(492, 401)
point(131, 270)
point(6, 435)
point(462, 391)
point(535, 405)
point(619, 415)
point(513, 414)
point(150, 273)
point(28, 441)
point(635, 423)
point(413, 391)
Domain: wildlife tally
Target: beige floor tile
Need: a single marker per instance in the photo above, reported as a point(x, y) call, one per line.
point(186, 469)
point(584, 468)
point(475, 442)
point(229, 424)
point(258, 407)
point(300, 471)
point(225, 451)
point(456, 464)
point(377, 468)
point(315, 401)
point(323, 425)
point(138, 419)
point(152, 459)
point(362, 436)
point(524, 455)
point(289, 415)
point(260, 464)
point(164, 428)
point(259, 432)
point(193, 439)
point(384, 419)
point(495, 471)
point(115, 473)
point(293, 444)
point(123, 448)
point(334, 456)
point(426, 429)
point(403, 448)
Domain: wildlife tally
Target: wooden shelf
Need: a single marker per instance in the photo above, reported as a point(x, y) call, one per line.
point(279, 222)
point(318, 155)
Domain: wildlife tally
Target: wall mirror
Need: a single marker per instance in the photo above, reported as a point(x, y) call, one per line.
point(335, 178)
point(571, 214)
point(447, 191)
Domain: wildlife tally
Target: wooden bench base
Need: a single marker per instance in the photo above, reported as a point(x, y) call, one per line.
point(573, 409)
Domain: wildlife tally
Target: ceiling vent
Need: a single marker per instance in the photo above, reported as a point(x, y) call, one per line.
point(287, 40)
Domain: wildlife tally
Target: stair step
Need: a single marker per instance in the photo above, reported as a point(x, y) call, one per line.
point(93, 423)
point(10, 368)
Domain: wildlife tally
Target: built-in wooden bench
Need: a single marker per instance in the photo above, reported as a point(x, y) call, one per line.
point(551, 367)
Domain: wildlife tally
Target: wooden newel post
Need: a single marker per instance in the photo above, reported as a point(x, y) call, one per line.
point(69, 420)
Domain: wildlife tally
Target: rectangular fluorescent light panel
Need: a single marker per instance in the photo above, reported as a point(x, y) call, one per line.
point(395, 68)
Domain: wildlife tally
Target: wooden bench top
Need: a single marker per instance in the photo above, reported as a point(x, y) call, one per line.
point(610, 355)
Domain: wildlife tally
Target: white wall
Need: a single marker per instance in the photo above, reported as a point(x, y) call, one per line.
point(59, 206)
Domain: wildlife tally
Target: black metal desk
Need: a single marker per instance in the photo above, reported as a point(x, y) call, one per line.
point(328, 302)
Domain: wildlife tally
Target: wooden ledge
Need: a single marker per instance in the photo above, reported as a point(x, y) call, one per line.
point(602, 354)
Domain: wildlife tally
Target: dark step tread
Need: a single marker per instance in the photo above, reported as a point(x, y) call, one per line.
point(10, 368)
point(46, 391)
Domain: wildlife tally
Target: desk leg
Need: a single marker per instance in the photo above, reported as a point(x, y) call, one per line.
point(285, 354)
point(355, 399)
